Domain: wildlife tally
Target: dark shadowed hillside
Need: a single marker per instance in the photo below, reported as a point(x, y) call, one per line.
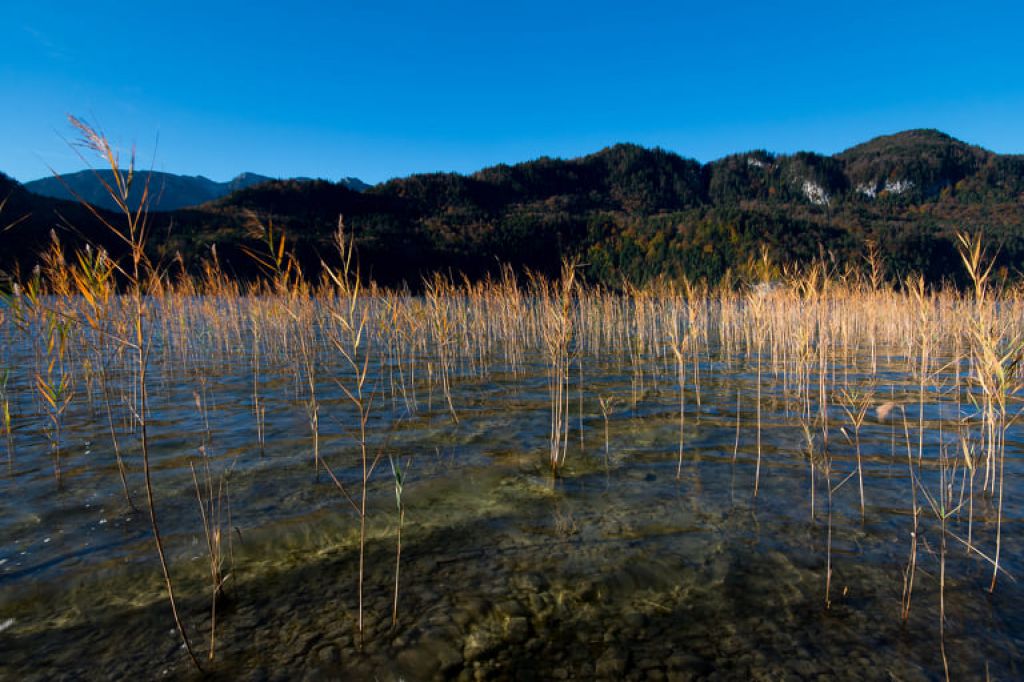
point(629, 213)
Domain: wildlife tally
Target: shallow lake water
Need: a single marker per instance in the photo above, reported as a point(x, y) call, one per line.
point(630, 564)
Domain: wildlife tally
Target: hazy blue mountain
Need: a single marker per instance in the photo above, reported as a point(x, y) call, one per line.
point(354, 184)
point(169, 191)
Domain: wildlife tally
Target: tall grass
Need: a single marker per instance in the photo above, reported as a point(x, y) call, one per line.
point(137, 341)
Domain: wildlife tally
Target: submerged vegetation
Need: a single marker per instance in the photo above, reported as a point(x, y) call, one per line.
point(898, 400)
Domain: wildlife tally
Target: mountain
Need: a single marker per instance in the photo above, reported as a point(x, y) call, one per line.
point(27, 221)
point(628, 212)
point(354, 184)
point(920, 163)
point(168, 191)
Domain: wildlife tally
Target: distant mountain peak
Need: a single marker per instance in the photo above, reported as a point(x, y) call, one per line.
point(354, 184)
point(169, 191)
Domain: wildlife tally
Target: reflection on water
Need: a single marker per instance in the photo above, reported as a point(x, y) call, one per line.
point(618, 569)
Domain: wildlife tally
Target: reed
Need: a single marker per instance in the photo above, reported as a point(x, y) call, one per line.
point(5, 413)
point(910, 572)
point(93, 278)
point(213, 499)
point(679, 347)
point(55, 384)
point(756, 303)
point(137, 343)
point(440, 299)
point(398, 475)
point(997, 357)
point(352, 342)
point(856, 405)
point(557, 331)
point(607, 404)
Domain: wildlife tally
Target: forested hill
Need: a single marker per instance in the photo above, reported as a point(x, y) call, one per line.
point(630, 212)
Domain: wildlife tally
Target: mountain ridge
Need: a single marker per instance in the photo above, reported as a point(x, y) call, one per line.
point(168, 191)
point(630, 212)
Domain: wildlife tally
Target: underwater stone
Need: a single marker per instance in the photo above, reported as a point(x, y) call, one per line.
point(635, 619)
point(305, 643)
point(511, 608)
point(448, 656)
point(478, 644)
point(464, 617)
point(612, 664)
point(419, 661)
point(517, 629)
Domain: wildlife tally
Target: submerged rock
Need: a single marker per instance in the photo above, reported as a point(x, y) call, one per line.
point(429, 658)
point(479, 644)
point(329, 654)
point(517, 629)
point(611, 665)
point(510, 608)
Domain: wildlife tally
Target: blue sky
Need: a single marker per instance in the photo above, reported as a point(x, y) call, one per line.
point(384, 89)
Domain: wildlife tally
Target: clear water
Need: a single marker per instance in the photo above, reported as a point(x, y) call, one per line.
point(626, 566)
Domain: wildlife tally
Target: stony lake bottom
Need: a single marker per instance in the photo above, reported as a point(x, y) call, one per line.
point(643, 554)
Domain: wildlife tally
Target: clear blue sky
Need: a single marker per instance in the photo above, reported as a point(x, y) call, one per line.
point(378, 89)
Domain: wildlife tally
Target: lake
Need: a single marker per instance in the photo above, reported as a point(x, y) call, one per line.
point(555, 506)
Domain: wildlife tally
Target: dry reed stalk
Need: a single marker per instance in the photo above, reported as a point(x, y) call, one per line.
point(398, 475)
point(258, 409)
point(678, 346)
point(997, 358)
point(606, 403)
point(93, 278)
point(214, 513)
point(856, 404)
point(5, 412)
point(133, 234)
point(558, 303)
point(352, 342)
point(911, 571)
point(439, 293)
point(757, 308)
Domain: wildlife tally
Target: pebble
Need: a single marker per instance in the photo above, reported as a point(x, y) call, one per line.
point(418, 662)
point(448, 656)
point(464, 617)
point(634, 619)
point(531, 582)
point(478, 644)
point(517, 629)
point(510, 608)
point(612, 664)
